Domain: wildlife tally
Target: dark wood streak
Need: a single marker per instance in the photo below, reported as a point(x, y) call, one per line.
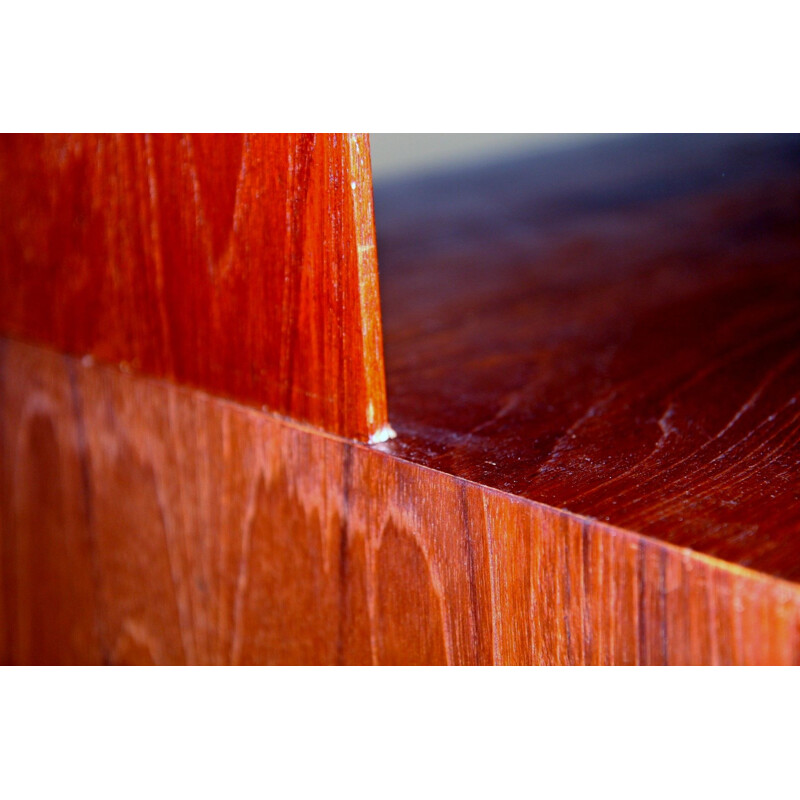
point(344, 544)
point(472, 575)
point(85, 473)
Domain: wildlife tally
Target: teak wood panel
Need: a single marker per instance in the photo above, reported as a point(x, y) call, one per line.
point(144, 522)
point(244, 265)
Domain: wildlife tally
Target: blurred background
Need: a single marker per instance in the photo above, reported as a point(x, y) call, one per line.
point(398, 154)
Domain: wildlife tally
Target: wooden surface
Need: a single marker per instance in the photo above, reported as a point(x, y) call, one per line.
point(244, 265)
point(593, 366)
point(612, 330)
point(175, 527)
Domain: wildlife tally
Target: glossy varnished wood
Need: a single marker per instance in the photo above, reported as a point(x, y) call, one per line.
point(244, 265)
point(176, 527)
point(614, 331)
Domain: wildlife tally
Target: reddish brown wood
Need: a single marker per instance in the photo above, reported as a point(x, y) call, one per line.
point(614, 331)
point(593, 364)
point(175, 527)
point(244, 265)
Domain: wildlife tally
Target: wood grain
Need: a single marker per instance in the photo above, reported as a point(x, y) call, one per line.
point(244, 265)
point(614, 331)
point(594, 370)
point(175, 527)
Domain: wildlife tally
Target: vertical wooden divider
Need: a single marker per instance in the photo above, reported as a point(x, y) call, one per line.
point(240, 264)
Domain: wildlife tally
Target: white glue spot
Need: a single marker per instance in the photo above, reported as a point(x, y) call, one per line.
point(382, 435)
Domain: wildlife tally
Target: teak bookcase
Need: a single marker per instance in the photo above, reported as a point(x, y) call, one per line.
point(583, 448)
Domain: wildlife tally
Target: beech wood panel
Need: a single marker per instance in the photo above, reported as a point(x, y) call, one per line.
point(613, 330)
point(244, 265)
point(144, 522)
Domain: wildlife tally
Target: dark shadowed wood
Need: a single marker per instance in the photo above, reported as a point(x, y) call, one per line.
point(176, 527)
point(244, 265)
point(613, 330)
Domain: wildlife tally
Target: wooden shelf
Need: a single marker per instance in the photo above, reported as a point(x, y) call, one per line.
point(612, 330)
